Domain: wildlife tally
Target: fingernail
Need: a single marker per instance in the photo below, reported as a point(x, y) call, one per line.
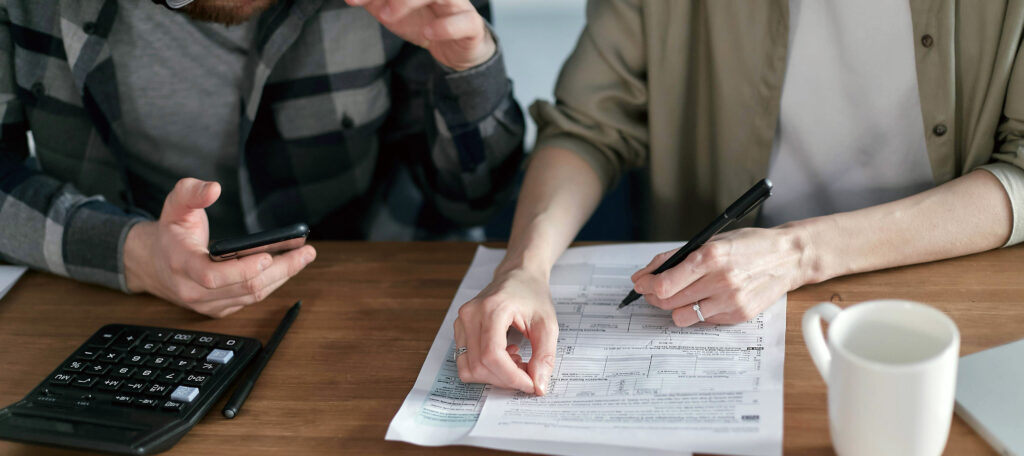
point(542, 385)
point(265, 263)
point(307, 258)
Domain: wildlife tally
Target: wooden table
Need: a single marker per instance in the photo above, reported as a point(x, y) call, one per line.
point(371, 311)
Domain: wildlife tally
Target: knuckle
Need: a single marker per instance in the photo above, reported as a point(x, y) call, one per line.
point(662, 288)
point(208, 279)
point(254, 285)
point(466, 311)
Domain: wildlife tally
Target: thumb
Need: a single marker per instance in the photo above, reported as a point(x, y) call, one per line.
point(189, 195)
point(544, 339)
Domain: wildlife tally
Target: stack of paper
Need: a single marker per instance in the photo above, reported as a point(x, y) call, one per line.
point(624, 380)
point(9, 275)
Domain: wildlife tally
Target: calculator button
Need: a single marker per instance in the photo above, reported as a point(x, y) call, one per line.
point(170, 376)
point(207, 367)
point(84, 381)
point(145, 402)
point(171, 349)
point(127, 339)
point(159, 361)
point(172, 406)
point(230, 344)
point(158, 390)
point(97, 369)
point(185, 394)
point(49, 400)
point(87, 354)
point(145, 374)
point(158, 335)
point(102, 338)
point(75, 366)
point(133, 386)
point(123, 371)
point(182, 364)
point(147, 347)
point(61, 379)
point(182, 338)
point(109, 357)
point(196, 379)
point(206, 341)
point(135, 360)
point(110, 384)
point(195, 352)
point(123, 399)
point(220, 356)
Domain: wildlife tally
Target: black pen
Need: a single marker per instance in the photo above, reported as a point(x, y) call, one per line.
point(737, 210)
point(243, 390)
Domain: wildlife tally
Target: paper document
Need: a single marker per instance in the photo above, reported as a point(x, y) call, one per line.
point(624, 380)
point(9, 275)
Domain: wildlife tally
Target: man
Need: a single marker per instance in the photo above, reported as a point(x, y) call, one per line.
point(390, 119)
point(827, 99)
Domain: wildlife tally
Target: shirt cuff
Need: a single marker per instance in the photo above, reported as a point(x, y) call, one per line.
point(94, 244)
point(468, 96)
point(1012, 179)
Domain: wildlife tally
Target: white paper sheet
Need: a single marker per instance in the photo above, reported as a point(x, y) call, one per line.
point(9, 275)
point(624, 380)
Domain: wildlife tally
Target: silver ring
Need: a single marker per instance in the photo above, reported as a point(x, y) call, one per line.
point(696, 308)
point(461, 351)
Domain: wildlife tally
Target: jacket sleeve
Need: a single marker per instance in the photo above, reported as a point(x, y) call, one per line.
point(1008, 159)
point(471, 124)
point(46, 224)
point(601, 98)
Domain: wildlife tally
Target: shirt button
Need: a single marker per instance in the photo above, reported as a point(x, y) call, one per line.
point(927, 41)
point(89, 28)
point(38, 89)
point(939, 129)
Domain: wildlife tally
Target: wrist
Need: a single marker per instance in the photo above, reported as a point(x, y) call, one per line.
point(799, 239)
point(526, 261)
point(488, 48)
point(137, 257)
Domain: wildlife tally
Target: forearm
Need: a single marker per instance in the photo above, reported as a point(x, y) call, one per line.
point(560, 192)
point(967, 215)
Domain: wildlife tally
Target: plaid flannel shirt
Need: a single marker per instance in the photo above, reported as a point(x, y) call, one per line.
point(341, 117)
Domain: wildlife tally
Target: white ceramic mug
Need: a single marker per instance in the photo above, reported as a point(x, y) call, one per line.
point(890, 367)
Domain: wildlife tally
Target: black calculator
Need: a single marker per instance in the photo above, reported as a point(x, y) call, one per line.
point(129, 390)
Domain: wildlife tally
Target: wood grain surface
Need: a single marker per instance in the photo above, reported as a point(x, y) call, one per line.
point(371, 311)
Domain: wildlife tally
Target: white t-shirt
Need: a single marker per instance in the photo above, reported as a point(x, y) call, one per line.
point(850, 131)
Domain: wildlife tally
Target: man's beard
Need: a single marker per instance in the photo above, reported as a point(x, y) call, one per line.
point(227, 12)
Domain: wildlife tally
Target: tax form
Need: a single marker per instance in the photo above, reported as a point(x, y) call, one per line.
point(624, 380)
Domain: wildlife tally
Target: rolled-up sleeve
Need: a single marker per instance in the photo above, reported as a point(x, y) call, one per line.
point(1008, 160)
point(601, 99)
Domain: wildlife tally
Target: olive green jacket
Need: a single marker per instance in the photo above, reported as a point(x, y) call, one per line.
point(690, 91)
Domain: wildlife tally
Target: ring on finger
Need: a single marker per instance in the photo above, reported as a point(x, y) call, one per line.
point(696, 308)
point(459, 352)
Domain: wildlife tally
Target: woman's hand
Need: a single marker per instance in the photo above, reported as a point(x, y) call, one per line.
point(735, 276)
point(515, 298)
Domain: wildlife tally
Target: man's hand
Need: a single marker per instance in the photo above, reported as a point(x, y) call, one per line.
point(451, 30)
point(169, 258)
point(518, 299)
point(735, 276)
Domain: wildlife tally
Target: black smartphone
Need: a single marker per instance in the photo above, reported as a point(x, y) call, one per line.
point(270, 241)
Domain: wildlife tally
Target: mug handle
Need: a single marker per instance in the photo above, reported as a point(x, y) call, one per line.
point(814, 339)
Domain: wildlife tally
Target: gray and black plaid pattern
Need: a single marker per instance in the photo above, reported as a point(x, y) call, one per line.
point(343, 121)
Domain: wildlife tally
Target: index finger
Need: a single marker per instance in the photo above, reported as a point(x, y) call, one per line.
point(213, 274)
